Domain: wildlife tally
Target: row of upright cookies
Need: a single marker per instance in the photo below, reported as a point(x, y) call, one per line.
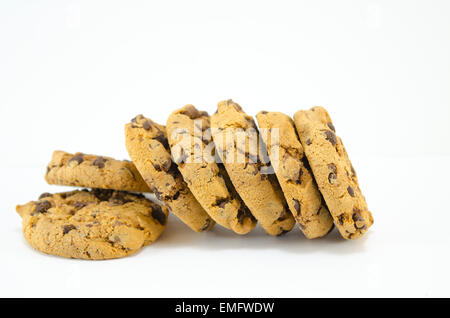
point(205, 169)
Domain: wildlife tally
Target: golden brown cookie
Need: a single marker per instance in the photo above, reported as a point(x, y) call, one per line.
point(91, 171)
point(333, 172)
point(96, 225)
point(293, 173)
point(236, 140)
point(189, 139)
point(148, 147)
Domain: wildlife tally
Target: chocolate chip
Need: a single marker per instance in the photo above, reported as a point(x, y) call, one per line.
point(263, 112)
point(332, 168)
point(308, 141)
point(45, 195)
point(361, 228)
point(234, 105)
point(297, 178)
point(118, 198)
point(353, 171)
point(146, 125)
point(331, 126)
point(332, 178)
point(331, 137)
point(130, 172)
point(176, 195)
point(100, 162)
point(221, 202)
point(351, 191)
point(48, 170)
point(163, 140)
point(341, 218)
point(192, 112)
point(173, 170)
point(135, 119)
point(102, 194)
point(42, 206)
point(68, 228)
point(206, 225)
point(159, 215)
point(283, 232)
point(166, 165)
point(297, 206)
point(157, 167)
point(78, 158)
point(157, 193)
point(79, 205)
point(333, 174)
point(264, 176)
point(356, 216)
point(283, 216)
point(244, 213)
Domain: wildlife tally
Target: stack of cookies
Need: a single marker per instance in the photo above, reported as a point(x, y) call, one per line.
point(205, 169)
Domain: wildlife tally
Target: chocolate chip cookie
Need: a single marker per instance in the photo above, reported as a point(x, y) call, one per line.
point(190, 140)
point(94, 225)
point(237, 144)
point(149, 149)
point(292, 170)
point(333, 172)
point(91, 171)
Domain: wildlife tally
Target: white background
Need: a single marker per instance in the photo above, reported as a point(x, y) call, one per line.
point(72, 73)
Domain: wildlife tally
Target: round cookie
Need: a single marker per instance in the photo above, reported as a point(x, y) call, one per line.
point(148, 147)
point(189, 137)
point(292, 170)
point(236, 140)
point(91, 171)
point(96, 225)
point(333, 172)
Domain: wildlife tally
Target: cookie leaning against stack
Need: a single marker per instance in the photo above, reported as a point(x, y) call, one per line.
point(148, 147)
point(233, 132)
point(334, 172)
point(208, 182)
point(293, 173)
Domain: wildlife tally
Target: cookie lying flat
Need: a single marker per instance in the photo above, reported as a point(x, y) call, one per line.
point(292, 170)
point(233, 132)
point(96, 225)
point(148, 147)
point(189, 145)
point(333, 171)
point(90, 171)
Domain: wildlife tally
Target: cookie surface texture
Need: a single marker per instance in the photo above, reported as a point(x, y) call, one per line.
point(93, 225)
point(148, 147)
point(292, 170)
point(333, 171)
point(91, 171)
point(189, 137)
point(237, 144)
